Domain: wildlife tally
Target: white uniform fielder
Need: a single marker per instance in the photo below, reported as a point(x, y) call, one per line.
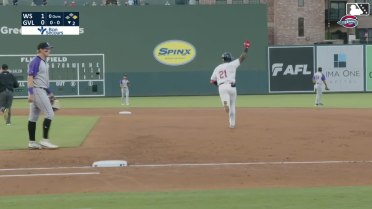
point(225, 75)
point(124, 91)
point(319, 79)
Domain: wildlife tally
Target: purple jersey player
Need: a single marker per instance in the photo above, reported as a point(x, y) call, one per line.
point(319, 79)
point(38, 97)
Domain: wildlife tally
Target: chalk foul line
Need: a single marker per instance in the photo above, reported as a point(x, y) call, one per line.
point(49, 174)
point(199, 165)
point(247, 163)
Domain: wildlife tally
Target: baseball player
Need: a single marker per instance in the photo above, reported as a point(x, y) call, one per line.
point(224, 77)
point(39, 95)
point(318, 80)
point(124, 86)
point(7, 84)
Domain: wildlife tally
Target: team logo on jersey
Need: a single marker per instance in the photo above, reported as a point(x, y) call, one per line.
point(174, 52)
point(348, 21)
point(289, 70)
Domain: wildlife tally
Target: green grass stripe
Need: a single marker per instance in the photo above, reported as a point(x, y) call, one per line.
point(347, 100)
point(66, 131)
point(310, 198)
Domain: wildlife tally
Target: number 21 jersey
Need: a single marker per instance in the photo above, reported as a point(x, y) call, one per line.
point(225, 72)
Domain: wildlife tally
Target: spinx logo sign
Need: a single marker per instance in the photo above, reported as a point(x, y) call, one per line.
point(166, 51)
point(174, 52)
point(289, 70)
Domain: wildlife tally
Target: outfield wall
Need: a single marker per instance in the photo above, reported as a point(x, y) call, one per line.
point(127, 38)
point(368, 64)
point(347, 68)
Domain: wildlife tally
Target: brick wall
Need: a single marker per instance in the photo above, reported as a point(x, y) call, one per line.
point(283, 20)
point(286, 14)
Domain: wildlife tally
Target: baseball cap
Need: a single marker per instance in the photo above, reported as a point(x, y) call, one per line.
point(44, 45)
point(4, 66)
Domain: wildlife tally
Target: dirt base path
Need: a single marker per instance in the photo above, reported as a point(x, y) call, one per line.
point(176, 136)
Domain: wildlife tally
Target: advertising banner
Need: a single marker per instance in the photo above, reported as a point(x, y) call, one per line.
point(291, 69)
point(369, 68)
point(343, 67)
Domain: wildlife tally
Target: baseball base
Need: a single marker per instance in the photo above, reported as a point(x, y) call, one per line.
point(110, 163)
point(125, 113)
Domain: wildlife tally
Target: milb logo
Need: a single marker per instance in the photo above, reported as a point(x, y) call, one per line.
point(339, 60)
point(289, 70)
point(356, 9)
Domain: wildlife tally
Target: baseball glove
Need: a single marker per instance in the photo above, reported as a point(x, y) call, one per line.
point(55, 103)
point(247, 44)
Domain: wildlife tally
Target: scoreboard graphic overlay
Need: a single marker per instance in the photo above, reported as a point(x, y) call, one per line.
point(50, 23)
point(71, 75)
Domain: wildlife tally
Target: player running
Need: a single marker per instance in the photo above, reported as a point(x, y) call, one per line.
point(318, 81)
point(224, 77)
point(39, 97)
point(124, 86)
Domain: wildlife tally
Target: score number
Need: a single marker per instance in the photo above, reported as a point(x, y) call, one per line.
point(50, 23)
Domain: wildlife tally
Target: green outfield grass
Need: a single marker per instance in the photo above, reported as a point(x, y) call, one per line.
point(16, 136)
point(355, 100)
point(312, 198)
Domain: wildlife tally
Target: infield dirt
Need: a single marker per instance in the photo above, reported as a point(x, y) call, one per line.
point(163, 136)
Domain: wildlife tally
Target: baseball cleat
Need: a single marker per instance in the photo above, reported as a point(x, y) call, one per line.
point(47, 144)
point(34, 145)
point(6, 114)
point(232, 127)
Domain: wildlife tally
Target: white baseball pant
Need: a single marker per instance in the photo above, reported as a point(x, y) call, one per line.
point(125, 95)
point(319, 90)
point(40, 104)
point(228, 95)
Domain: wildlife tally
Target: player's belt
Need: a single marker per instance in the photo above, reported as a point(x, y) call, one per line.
point(42, 88)
point(232, 84)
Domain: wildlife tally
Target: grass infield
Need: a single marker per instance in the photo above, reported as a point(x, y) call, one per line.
point(346, 100)
point(16, 136)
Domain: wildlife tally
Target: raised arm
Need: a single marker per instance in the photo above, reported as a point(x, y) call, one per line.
point(242, 57)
